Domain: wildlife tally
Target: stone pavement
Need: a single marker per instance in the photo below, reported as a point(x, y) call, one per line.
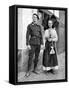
point(46, 76)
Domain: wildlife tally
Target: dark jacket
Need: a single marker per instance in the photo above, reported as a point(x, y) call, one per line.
point(34, 35)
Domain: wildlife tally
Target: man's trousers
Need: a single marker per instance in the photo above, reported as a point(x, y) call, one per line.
point(35, 49)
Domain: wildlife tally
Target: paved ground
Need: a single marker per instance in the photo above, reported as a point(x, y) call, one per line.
point(46, 76)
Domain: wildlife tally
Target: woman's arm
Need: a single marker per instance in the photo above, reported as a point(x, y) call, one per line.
point(55, 38)
point(45, 36)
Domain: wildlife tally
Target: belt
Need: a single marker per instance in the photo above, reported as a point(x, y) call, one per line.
point(35, 37)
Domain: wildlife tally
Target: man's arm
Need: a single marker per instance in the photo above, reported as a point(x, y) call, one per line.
point(27, 35)
point(41, 35)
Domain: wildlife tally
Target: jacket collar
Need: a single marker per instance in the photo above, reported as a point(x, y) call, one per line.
point(34, 23)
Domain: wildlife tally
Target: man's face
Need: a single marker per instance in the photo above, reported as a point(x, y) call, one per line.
point(34, 17)
point(50, 24)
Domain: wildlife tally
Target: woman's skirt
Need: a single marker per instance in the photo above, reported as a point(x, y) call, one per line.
point(49, 60)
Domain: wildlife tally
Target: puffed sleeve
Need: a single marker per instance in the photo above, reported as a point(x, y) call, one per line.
point(45, 36)
point(55, 36)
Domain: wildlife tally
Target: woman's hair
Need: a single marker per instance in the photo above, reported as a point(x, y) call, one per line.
point(50, 20)
point(36, 15)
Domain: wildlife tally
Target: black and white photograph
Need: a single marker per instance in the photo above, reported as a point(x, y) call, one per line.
point(41, 44)
point(34, 45)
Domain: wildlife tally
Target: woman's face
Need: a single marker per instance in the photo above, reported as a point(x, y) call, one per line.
point(50, 23)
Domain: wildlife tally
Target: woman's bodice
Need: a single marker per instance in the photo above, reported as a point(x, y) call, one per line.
point(51, 33)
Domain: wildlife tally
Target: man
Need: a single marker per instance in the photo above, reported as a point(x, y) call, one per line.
point(34, 42)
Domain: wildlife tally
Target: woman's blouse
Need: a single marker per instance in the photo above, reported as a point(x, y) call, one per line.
point(51, 33)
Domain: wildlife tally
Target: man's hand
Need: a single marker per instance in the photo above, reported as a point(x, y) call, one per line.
point(29, 47)
point(42, 46)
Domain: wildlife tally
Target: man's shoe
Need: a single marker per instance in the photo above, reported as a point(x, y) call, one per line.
point(35, 72)
point(27, 74)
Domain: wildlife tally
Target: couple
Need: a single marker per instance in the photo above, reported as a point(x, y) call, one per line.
point(35, 42)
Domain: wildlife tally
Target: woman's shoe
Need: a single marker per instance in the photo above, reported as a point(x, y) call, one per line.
point(53, 71)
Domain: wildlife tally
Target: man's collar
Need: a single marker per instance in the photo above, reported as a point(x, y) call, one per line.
point(34, 23)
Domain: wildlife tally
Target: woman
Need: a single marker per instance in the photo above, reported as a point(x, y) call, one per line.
point(50, 62)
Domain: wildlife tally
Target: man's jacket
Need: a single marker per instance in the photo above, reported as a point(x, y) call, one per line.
point(34, 35)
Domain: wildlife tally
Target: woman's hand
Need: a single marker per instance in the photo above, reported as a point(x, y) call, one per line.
point(49, 39)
